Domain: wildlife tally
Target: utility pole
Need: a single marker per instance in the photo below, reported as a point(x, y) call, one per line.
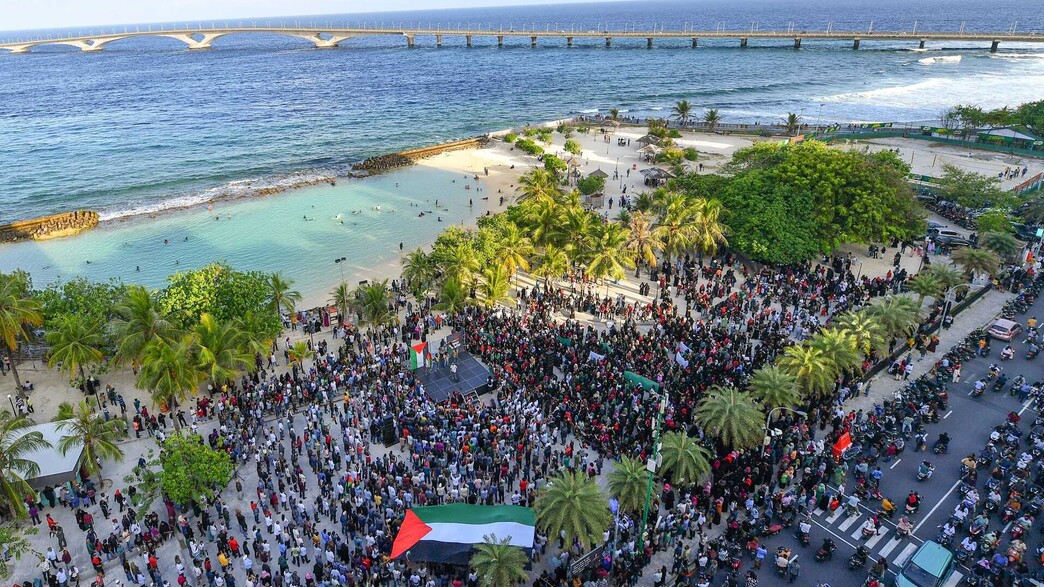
point(651, 465)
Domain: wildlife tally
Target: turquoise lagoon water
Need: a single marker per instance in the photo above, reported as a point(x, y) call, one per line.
point(269, 234)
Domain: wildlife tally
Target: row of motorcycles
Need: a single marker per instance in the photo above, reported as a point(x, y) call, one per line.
point(1013, 494)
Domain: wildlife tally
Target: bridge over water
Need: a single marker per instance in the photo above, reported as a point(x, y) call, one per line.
point(328, 37)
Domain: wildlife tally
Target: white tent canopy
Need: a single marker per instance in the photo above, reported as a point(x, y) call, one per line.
point(55, 468)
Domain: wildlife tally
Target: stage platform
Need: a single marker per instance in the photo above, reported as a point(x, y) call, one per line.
point(439, 383)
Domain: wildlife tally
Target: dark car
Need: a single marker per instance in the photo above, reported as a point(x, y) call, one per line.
point(953, 241)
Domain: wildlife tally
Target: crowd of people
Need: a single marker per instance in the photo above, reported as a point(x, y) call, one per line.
point(319, 491)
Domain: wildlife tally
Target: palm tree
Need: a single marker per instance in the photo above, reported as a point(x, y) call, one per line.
point(948, 276)
point(676, 228)
point(731, 416)
point(708, 230)
point(459, 262)
point(371, 301)
point(576, 231)
point(168, 371)
point(573, 503)
point(614, 114)
point(792, 122)
point(712, 118)
point(976, 261)
point(687, 461)
point(281, 295)
point(552, 263)
point(608, 257)
point(453, 296)
point(95, 436)
point(641, 243)
point(682, 112)
point(839, 347)
point(868, 332)
point(16, 443)
point(898, 315)
point(498, 563)
point(138, 322)
point(514, 250)
point(543, 217)
point(255, 331)
point(418, 271)
point(538, 183)
point(494, 285)
point(343, 295)
point(220, 352)
point(65, 412)
point(18, 312)
point(76, 341)
point(299, 353)
point(1002, 243)
point(628, 482)
point(774, 387)
point(924, 284)
point(814, 370)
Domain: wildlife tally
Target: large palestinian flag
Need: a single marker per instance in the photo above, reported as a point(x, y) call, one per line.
point(419, 355)
point(448, 533)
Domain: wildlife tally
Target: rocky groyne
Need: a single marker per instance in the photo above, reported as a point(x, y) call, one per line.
point(54, 226)
point(382, 163)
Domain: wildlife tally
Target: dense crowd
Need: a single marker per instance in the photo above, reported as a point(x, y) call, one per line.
point(317, 498)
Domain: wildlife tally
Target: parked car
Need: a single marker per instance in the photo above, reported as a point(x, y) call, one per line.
point(953, 241)
point(930, 566)
point(948, 232)
point(1003, 329)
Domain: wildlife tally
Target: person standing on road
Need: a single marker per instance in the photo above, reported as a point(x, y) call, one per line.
point(793, 570)
point(957, 373)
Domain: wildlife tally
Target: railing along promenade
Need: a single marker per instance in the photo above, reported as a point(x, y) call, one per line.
point(331, 36)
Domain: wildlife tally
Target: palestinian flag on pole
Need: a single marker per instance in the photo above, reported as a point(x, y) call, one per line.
point(419, 355)
point(448, 533)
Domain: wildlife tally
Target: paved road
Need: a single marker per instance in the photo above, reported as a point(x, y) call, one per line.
point(968, 422)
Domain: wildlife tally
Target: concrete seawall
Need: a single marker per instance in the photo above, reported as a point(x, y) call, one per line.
point(53, 226)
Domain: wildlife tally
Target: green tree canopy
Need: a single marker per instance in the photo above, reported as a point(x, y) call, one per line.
point(592, 184)
point(733, 417)
point(974, 190)
point(499, 564)
point(222, 292)
point(683, 458)
point(628, 482)
point(191, 470)
point(789, 203)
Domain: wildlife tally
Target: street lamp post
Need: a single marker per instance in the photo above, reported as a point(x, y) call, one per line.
point(14, 412)
point(768, 419)
point(651, 465)
point(340, 263)
point(946, 305)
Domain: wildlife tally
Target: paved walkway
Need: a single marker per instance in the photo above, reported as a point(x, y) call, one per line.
point(979, 314)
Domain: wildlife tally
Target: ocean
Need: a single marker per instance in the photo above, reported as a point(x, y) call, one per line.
point(146, 124)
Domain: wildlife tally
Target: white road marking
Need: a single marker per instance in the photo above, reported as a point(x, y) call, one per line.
point(848, 523)
point(895, 463)
point(888, 548)
point(875, 539)
point(817, 511)
point(947, 414)
point(834, 516)
point(954, 579)
point(905, 555)
point(941, 501)
point(858, 534)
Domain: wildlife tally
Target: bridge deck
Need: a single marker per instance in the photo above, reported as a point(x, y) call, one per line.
point(330, 36)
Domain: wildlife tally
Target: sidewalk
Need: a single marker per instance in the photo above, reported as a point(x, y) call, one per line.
point(979, 314)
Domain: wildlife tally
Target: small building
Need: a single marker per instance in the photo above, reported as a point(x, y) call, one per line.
point(1011, 136)
point(55, 468)
point(648, 140)
point(656, 177)
point(598, 173)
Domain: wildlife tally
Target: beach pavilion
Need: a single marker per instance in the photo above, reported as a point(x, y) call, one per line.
point(598, 173)
point(648, 140)
point(656, 177)
point(55, 468)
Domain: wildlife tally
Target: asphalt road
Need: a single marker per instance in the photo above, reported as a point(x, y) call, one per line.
point(969, 422)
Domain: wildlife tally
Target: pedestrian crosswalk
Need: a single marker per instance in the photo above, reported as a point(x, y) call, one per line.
point(886, 544)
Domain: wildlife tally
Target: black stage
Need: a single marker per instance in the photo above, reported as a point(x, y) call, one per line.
point(438, 382)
